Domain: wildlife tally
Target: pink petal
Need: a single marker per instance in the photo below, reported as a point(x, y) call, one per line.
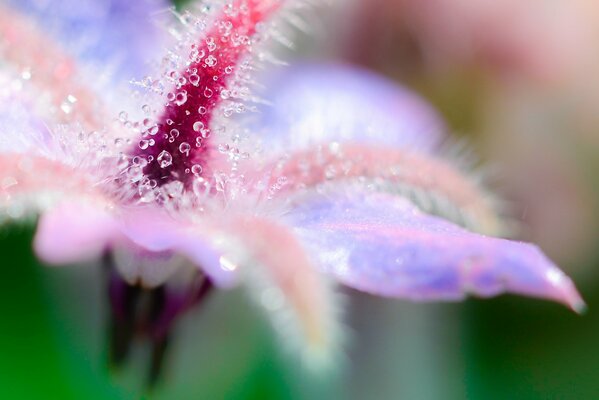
point(386, 246)
point(74, 232)
point(287, 285)
point(434, 184)
point(77, 231)
point(52, 71)
point(37, 182)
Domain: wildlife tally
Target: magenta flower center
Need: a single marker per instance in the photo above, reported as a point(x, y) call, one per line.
point(179, 146)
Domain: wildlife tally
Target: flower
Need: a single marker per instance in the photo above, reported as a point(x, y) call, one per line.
point(341, 174)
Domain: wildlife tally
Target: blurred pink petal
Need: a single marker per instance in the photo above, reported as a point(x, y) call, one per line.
point(75, 231)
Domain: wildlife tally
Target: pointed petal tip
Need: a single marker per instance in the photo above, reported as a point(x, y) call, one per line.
point(573, 300)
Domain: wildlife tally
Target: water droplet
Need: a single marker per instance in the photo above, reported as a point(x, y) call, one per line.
point(174, 134)
point(202, 110)
point(225, 94)
point(198, 126)
point(146, 109)
point(211, 44)
point(205, 133)
point(185, 148)
point(208, 92)
point(194, 79)
point(181, 98)
point(210, 61)
point(165, 159)
point(228, 70)
point(223, 147)
point(196, 169)
point(144, 144)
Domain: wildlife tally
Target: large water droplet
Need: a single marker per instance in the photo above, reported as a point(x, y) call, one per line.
point(144, 144)
point(181, 98)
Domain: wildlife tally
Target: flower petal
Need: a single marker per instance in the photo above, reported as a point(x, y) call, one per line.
point(288, 286)
point(32, 182)
point(114, 32)
point(74, 232)
point(384, 245)
point(281, 276)
point(313, 104)
point(432, 183)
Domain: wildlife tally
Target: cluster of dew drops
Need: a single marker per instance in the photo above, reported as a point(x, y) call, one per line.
point(168, 91)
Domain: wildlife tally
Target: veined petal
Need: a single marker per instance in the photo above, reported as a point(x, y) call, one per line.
point(384, 245)
point(312, 104)
point(433, 184)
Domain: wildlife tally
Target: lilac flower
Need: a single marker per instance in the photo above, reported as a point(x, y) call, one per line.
point(340, 176)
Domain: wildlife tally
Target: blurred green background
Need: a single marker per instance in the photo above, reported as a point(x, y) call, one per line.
point(53, 321)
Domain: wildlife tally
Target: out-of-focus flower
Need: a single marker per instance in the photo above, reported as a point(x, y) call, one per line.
point(178, 193)
point(517, 74)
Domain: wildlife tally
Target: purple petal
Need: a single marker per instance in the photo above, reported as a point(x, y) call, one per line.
point(21, 130)
point(386, 246)
point(118, 33)
point(312, 104)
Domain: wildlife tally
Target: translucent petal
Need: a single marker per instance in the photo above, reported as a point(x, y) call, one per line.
point(311, 104)
point(386, 246)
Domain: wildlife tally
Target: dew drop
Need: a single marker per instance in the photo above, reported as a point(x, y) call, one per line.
point(185, 148)
point(165, 159)
point(181, 98)
point(205, 133)
point(194, 79)
point(210, 61)
point(153, 130)
point(198, 126)
point(196, 169)
point(202, 110)
point(208, 92)
point(144, 144)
